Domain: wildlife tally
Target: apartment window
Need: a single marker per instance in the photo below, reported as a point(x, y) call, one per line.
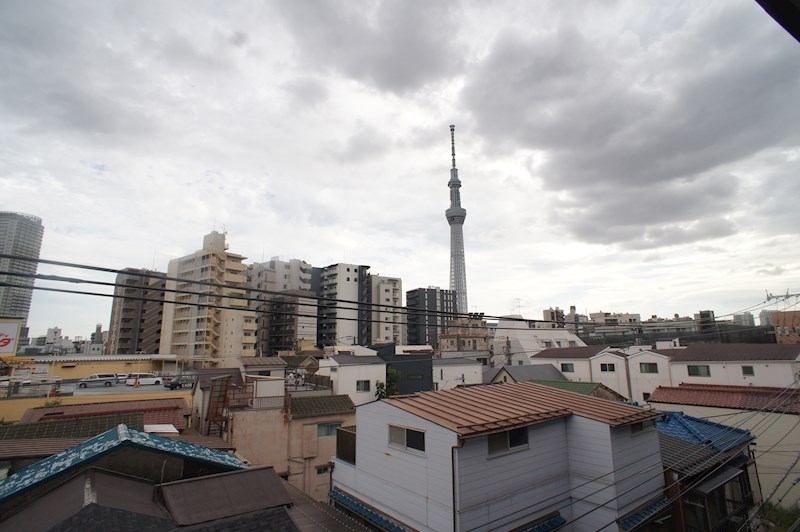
point(568, 368)
point(748, 371)
point(646, 396)
point(508, 441)
point(322, 470)
point(327, 429)
point(648, 367)
point(699, 371)
point(362, 386)
point(607, 367)
point(406, 439)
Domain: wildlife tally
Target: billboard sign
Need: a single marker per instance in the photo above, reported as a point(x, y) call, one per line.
point(9, 336)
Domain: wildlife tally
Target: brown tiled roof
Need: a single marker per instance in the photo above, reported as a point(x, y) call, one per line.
point(262, 361)
point(204, 376)
point(477, 410)
point(323, 405)
point(156, 411)
point(572, 352)
point(735, 397)
point(728, 352)
point(80, 427)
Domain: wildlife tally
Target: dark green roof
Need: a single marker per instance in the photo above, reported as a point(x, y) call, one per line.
point(584, 388)
point(75, 427)
point(324, 405)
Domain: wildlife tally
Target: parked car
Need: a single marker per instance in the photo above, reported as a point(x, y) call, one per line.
point(143, 379)
point(178, 381)
point(98, 379)
point(122, 377)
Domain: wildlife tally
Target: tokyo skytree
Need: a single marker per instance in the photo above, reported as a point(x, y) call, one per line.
point(455, 217)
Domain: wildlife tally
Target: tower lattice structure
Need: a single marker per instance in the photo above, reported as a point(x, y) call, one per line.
point(456, 215)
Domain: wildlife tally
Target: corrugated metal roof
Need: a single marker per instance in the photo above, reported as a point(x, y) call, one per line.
point(262, 361)
point(223, 495)
point(731, 352)
point(102, 444)
point(572, 352)
point(476, 410)
point(323, 405)
point(155, 411)
point(735, 397)
point(81, 427)
point(585, 388)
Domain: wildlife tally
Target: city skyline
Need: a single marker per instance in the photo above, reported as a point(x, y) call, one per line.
point(626, 158)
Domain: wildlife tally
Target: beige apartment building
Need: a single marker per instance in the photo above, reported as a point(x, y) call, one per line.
point(388, 322)
point(136, 313)
point(199, 334)
point(787, 327)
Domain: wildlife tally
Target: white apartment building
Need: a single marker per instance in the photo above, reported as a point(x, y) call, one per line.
point(198, 333)
point(517, 339)
point(339, 321)
point(388, 323)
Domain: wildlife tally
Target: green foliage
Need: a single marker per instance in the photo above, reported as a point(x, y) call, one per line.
point(782, 518)
point(389, 388)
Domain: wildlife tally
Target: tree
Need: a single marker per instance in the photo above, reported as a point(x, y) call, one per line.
point(382, 391)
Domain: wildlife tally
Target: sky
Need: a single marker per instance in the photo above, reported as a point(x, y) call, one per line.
point(619, 156)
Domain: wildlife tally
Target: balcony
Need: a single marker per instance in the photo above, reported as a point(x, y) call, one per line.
point(346, 444)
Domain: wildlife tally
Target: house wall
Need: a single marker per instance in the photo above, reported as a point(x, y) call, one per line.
point(642, 383)
point(778, 373)
point(512, 489)
point(776, 445)
point(591, 477)
point(308, 452)
point(638, 472)
point(415, 489)
point(344, 378)
point(582, 373)
point(617, 380)
point(446, 377)
point(261, 437)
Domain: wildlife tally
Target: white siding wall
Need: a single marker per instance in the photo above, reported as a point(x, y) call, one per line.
point(642, 383)
point(348, 375)
point(591, 457)
point(416, 490)
point(512, 489)
point(582, 373)
point(447, 377)
point(772, 373)
point(617, 380)
point(638, 472)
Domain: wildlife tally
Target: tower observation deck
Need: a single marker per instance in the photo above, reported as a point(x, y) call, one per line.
point(456, 215)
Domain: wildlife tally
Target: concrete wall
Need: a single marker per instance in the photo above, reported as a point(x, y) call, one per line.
point(617, 380)
point(642, 383)
point(766, 373)
point(447, 376)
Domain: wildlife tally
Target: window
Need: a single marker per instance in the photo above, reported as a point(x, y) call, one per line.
point(607, 367)
point(362, 386)
point(327, 429)
point(748, 371)
point(648, 367)
point(573, 343)
point(510, 440)
point(406, 439)
point(322, 470)
point(547, 343)
point(699, 371)
point(334, 370)
point(519, 363)
point(646, 396)
point(568, 368)
point(415, 377)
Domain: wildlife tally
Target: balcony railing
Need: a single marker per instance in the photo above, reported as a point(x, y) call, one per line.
point(346, 444)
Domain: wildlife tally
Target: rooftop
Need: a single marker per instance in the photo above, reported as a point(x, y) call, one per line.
point(81, 427)
point(353, 360)
point(573, 352)
point(526, 372)
point(730, 352)
point(718, 437)
point(323, 405)
point(786, 401)
point(154, 411)
point(455, 362)
point(262, 361)
point(204, 376)
point(477, 410)
point(685, 457)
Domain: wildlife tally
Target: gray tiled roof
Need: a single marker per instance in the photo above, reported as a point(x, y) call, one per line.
point(324, 405)
point(454, 362)
point(687, 458)
point(350, 360)
point(726, 352)
point(526, 372)
point(572, 352)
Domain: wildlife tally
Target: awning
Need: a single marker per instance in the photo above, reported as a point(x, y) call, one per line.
point(552, 522)
point(365, 511)
point(727, 474)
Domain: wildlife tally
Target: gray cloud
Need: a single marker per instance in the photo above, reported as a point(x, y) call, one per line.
point(770, 269)
point(396, 46)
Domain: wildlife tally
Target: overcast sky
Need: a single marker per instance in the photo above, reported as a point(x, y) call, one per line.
point(634, 156)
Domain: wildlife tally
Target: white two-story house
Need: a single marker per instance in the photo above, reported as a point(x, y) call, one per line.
point(596, 363)
point(498, 457)
point(356, 376)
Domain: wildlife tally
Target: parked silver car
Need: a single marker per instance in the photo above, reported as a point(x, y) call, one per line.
point(98, 379)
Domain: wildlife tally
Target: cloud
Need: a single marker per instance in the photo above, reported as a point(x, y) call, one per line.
point(770, 269)
point(395, 46)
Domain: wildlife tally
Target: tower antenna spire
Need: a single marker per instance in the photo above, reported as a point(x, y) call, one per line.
point(453, 143)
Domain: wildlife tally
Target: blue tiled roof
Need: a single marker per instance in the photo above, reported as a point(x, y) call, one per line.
point(365, 511)
point(644, 514)
point(104, 443)
point(720, 437)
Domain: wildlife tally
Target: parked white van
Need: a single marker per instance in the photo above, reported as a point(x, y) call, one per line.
point(143, 379)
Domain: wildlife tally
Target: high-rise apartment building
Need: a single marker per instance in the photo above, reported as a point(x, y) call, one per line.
point(428, 312)
point(210, 320)
point(384, 312)
point(290, 321)
point(268, 279)
point(341, 320)
point(20, 235)
point(136, 312)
